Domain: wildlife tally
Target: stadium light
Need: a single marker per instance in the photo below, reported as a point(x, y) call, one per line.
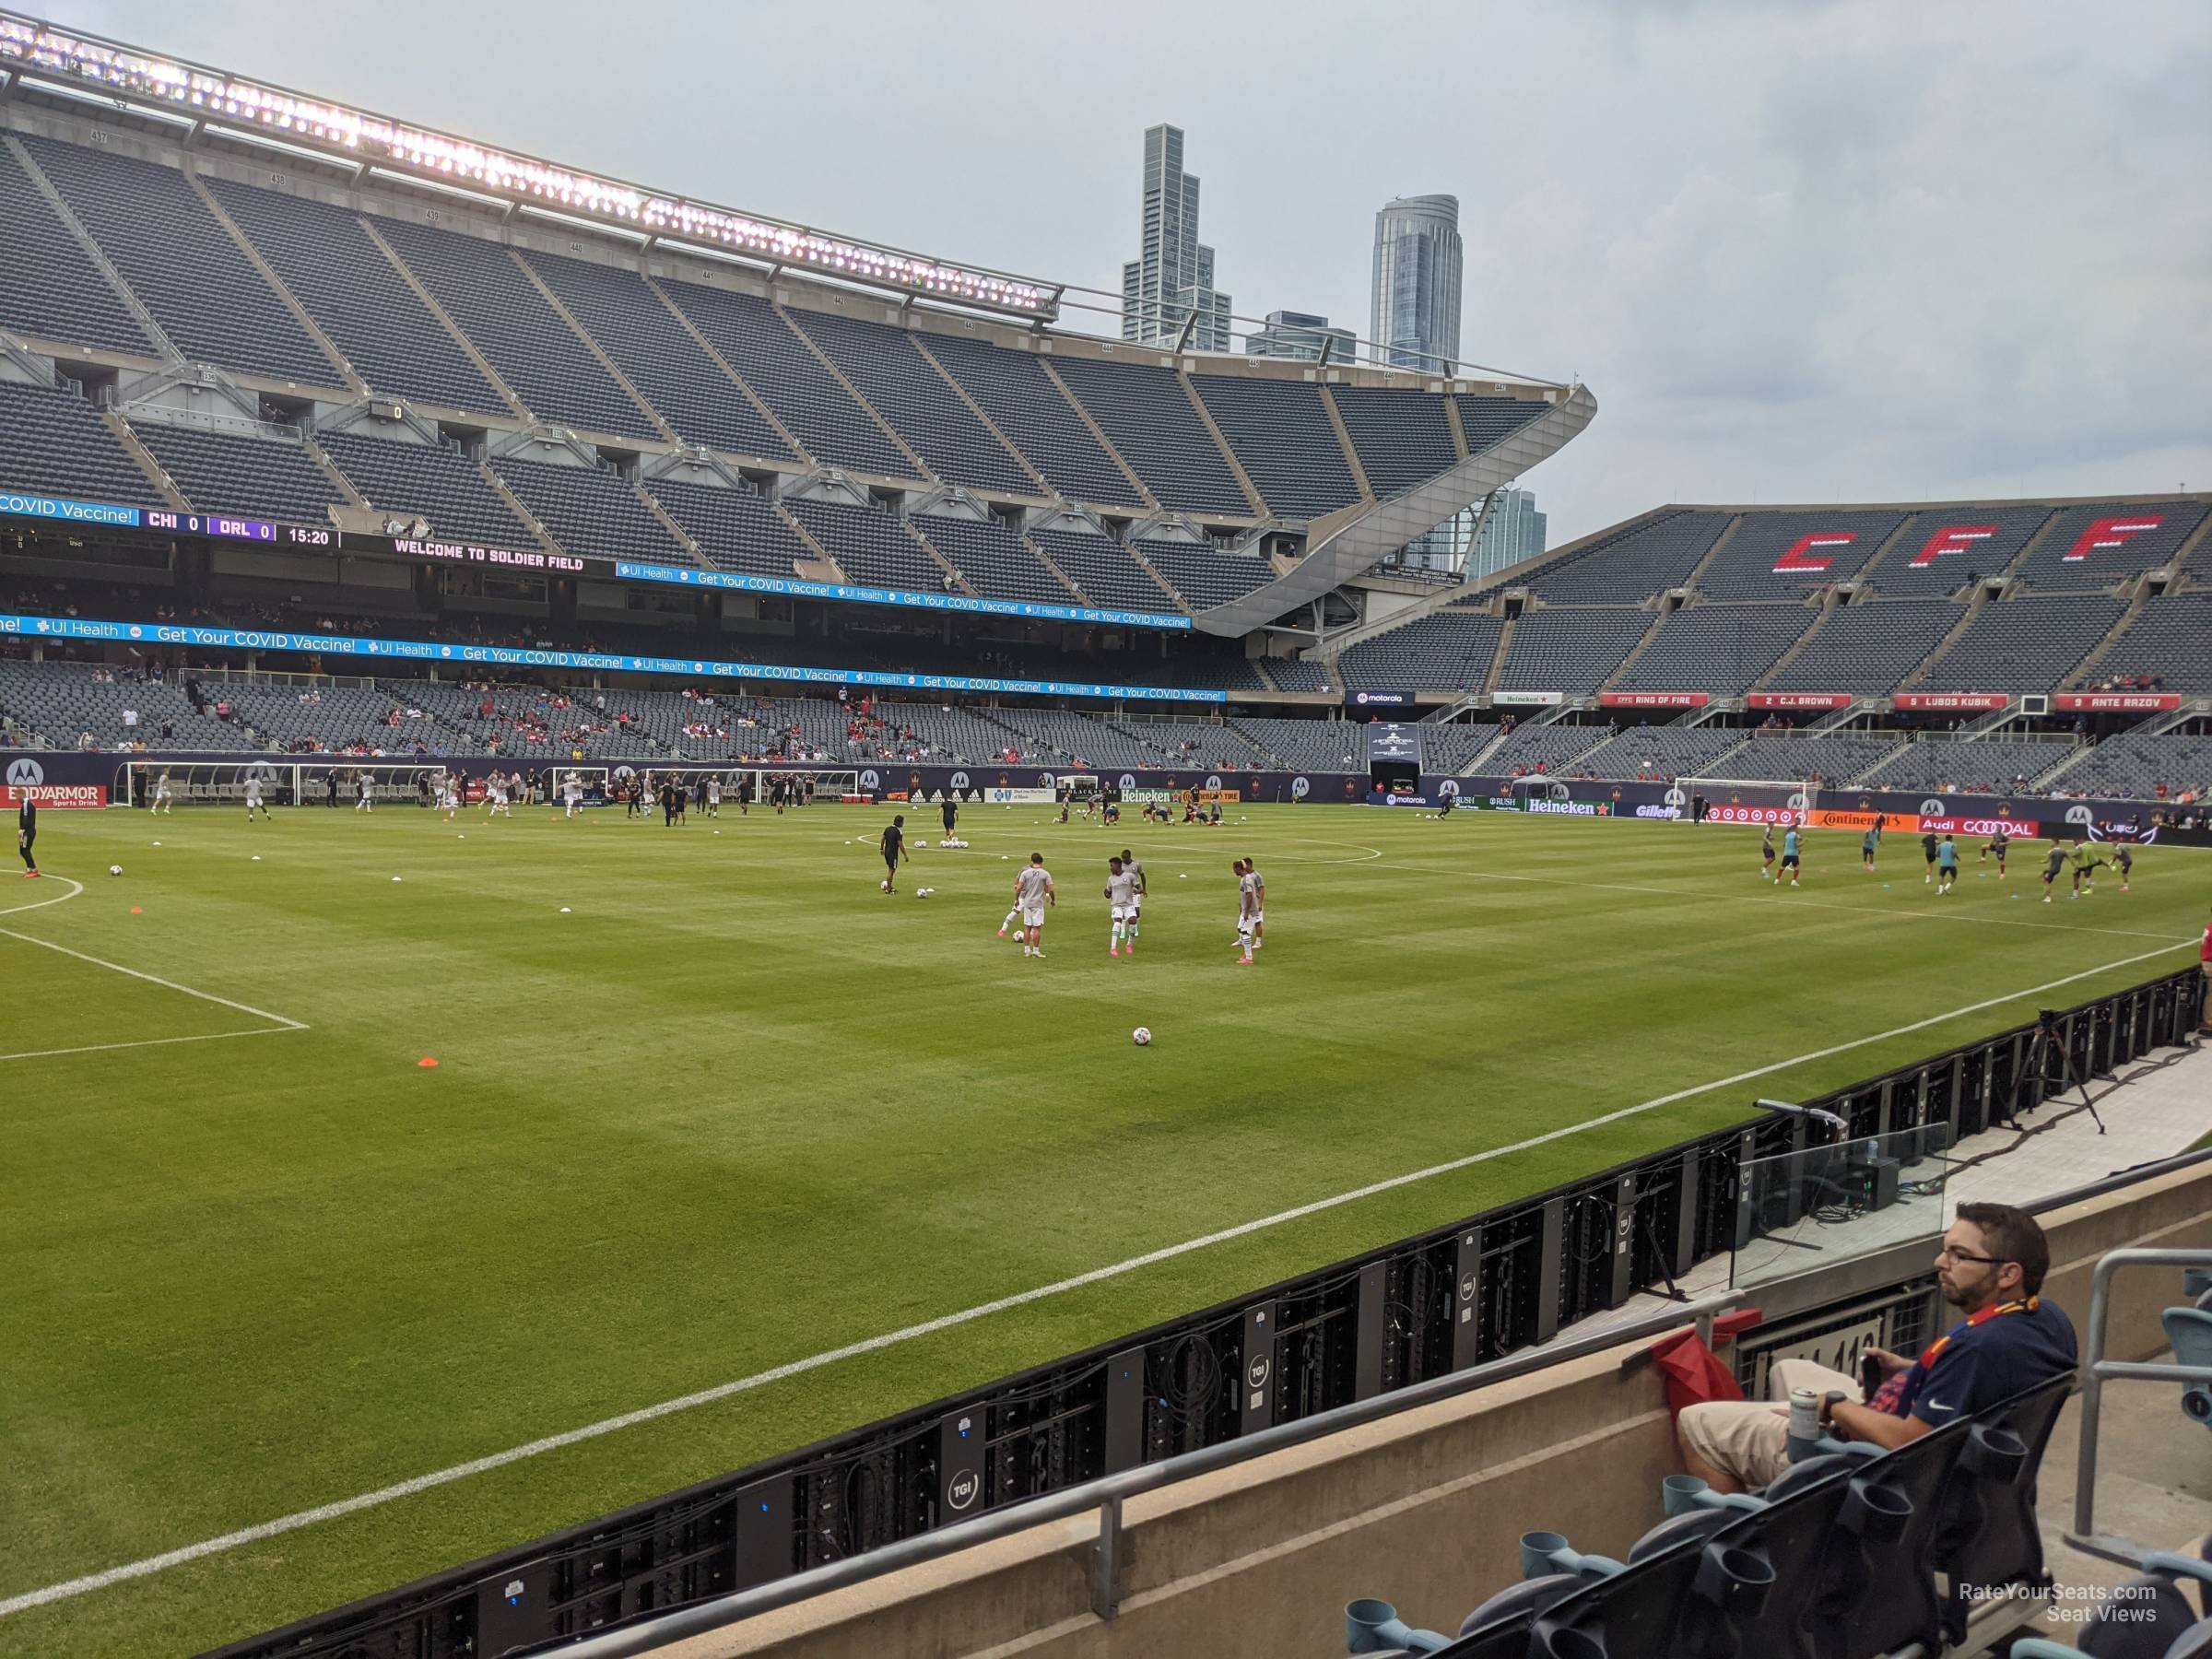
point(170, 85)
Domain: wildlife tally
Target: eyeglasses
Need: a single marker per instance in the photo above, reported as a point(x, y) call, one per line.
point(1947, 1254)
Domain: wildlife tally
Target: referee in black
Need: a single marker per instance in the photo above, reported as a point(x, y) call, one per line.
point(26, 833)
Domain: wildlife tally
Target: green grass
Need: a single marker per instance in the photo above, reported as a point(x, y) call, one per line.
point(739, 1108)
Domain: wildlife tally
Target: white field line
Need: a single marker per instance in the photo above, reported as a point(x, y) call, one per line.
point(74, 888)
point(706, 1396)
point(153, 979)
point(102, 1048)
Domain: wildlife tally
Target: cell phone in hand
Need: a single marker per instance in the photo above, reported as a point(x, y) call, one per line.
point(1870, 1376)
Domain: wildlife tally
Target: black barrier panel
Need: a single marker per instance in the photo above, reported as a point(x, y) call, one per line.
point(1420, 1307)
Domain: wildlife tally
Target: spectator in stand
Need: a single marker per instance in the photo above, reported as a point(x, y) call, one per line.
point(1991, 1268)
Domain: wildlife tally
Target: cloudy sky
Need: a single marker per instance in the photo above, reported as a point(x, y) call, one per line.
point(1800, 251)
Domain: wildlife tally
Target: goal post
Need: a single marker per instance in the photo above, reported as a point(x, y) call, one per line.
point(1746, 800)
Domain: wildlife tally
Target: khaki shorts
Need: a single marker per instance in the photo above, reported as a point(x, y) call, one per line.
point(1749, 1439)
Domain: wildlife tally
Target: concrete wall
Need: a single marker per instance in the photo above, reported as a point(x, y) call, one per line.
point(1425, 1510)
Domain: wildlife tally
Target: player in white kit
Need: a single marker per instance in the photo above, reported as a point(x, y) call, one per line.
point(1247, 909)
point(449, 796)
point(571, 796)
point(253, 803)
point(1136, 904)
point(1032, 891)
point(1121, 904)
point(714, 797)
point(364, 799)
point(162, 803)
point(495, 796)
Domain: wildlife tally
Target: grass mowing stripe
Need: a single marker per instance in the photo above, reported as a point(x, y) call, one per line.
point(421, 1483)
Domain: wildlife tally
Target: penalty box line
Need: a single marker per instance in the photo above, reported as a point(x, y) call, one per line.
point(153, 1564)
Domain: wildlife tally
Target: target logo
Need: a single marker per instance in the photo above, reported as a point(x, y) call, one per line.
point(25, 773)
point(1300, 789)
point(868, 780)
point(1932, 807)
point(959, 779)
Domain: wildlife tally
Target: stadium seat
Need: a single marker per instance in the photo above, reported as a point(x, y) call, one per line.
point(735, 526)
point(1203, 575)
point(182, 266)
point(434, 481)
point(1717, 648)
point(1012, 388)
point(255, 475)
point(1987, 1536)
point(628, 321)
point(342, 280)
point(1147, 417)
point(2026, 644)
point(887, 367)
point(1624, 567)
point(2189, 1333)
point(53, 442)
point(1651, 1608)
point(1283, 438)
point(767, 353)
point(50, 290)
point(1403, 437)
point(487, 294)
point(2149, 1617)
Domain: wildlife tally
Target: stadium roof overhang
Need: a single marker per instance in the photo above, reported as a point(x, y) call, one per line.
point(170, 89)
point(1342, 546)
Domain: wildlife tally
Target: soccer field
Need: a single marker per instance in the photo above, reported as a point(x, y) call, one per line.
point(733, 1109)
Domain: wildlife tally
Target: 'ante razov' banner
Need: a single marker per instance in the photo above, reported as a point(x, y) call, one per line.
point(511, 656)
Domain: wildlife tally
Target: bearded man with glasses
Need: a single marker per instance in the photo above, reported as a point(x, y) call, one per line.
point(1991, 1268)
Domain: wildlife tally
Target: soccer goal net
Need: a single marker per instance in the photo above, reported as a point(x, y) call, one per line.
point(167, 784)
point(1746, 800)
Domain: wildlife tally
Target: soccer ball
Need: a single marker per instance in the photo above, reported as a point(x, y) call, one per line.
point(114, 869)
point(1141, 1036)
point(885, 885)
point(923, 892)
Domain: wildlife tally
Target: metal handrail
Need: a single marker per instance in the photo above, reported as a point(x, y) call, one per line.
point(1107, 1494)
point(2096, 1371)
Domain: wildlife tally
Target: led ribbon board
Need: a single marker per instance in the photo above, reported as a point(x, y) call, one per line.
point(684, 577)
point(515, 656)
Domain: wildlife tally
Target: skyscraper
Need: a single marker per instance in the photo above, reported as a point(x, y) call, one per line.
point(1173, 277)
point(1416, 317)
point(1300, 335)
point(1513, 531)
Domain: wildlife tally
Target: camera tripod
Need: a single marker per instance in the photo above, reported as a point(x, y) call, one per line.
point(2047, 1041)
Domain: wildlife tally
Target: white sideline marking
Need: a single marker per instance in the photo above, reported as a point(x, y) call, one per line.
point(154, 978)
point(102, 1048)
point(706, 1397)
